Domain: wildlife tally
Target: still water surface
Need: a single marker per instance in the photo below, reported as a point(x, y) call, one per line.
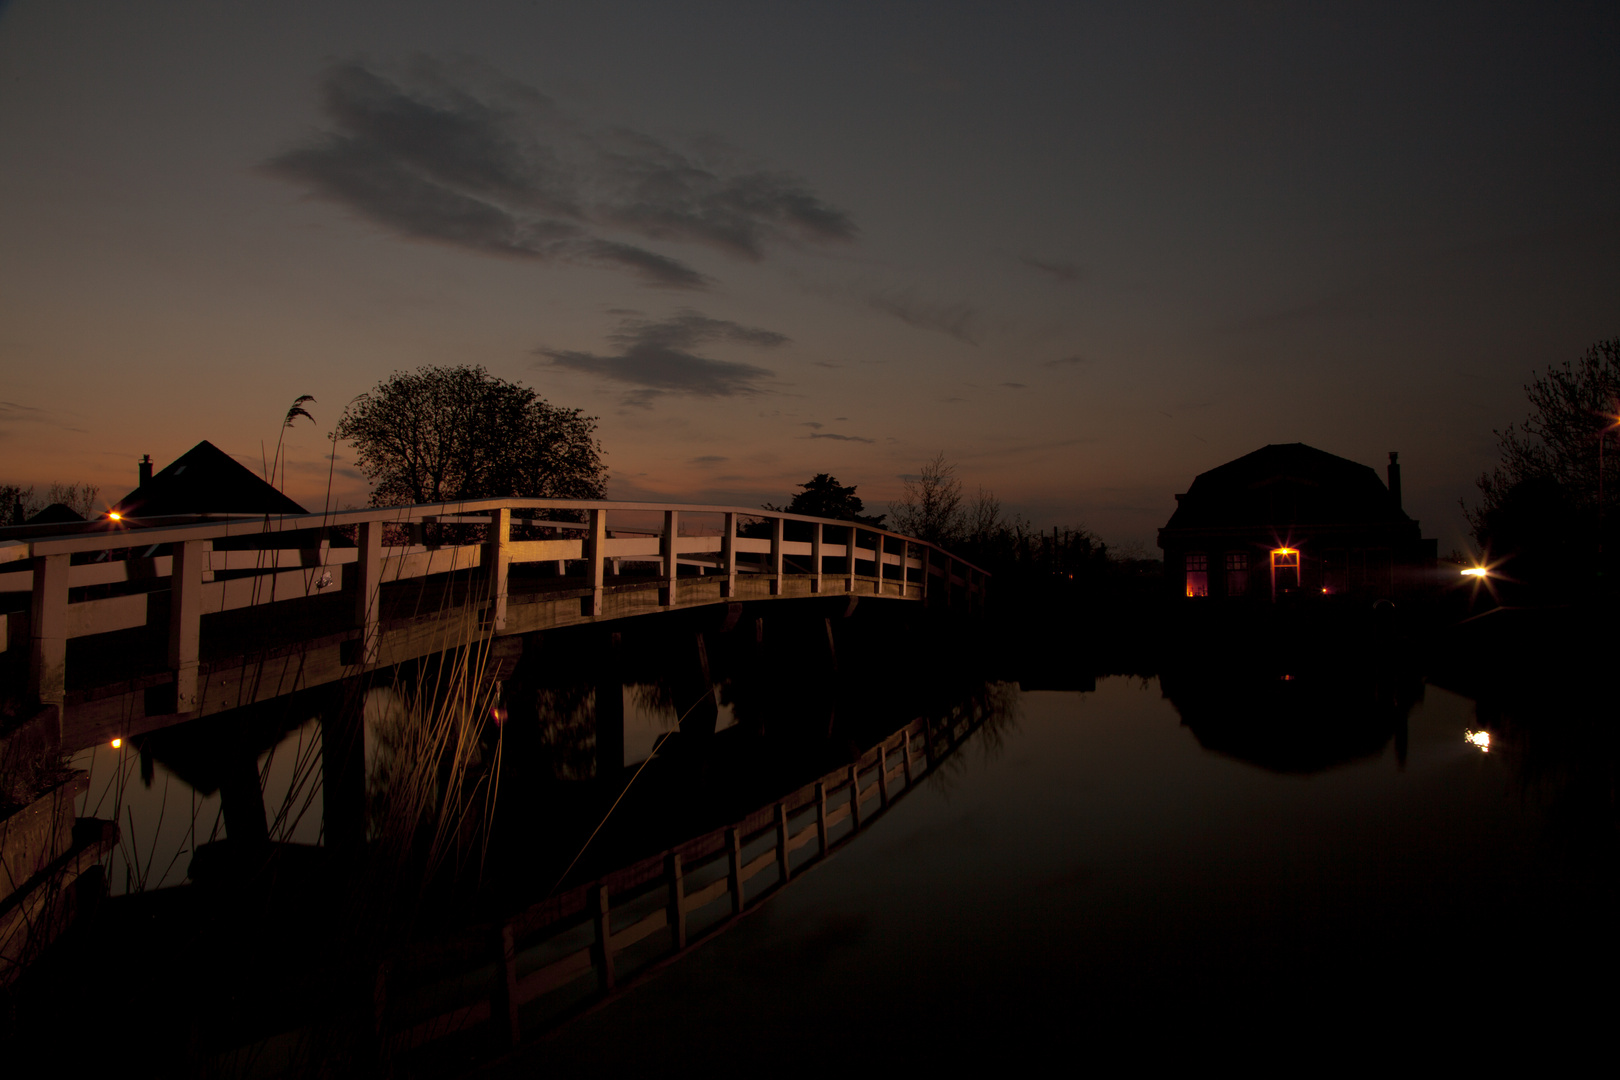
point(1089, 869)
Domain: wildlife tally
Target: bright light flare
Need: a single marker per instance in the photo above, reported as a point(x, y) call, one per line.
point(113, 515)
point(1476, 571)
point(1481, 739)
point(117, 743)
point(498, 714)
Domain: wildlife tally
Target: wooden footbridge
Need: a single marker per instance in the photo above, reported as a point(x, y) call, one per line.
point(135, 625)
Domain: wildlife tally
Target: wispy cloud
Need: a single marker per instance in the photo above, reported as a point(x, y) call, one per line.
point(655, 357)
point(840, 438)
point(464, 156)
point(1057, 269)
point(958, 319)
point(1014, 385)
point(1069, 361)
point(710, 459)
point(13, 414)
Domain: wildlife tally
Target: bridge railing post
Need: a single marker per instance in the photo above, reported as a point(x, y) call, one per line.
point(185, 619)
point(498, 560)
point(47, 622)
point(849, 562)
point(604, 930)
point(728, 554)
point(672, 529)
point(855, 796)
point(777, 526)
point(927, 568)
point(734, 869)
point(782, 836)
point(877, 558)
point(595, 552)
point(821, 818)
point(815, 559)
point(368, 591)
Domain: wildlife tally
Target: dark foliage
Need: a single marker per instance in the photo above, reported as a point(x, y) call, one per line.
point(823, 496)
point(440, 434)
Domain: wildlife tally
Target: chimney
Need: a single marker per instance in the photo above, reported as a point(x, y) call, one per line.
point(146, 469)
point(1395, 480)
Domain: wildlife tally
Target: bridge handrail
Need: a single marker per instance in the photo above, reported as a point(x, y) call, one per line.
point(130, 532)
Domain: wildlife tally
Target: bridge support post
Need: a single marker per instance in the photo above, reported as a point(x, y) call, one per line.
point(609, 713)
point(777, 527)
point(677, 900)
point(694, 695)
point(815, 559)
point(368, 592)
point(728, 555)
point(498, 561)
point(672, 527)
point(927, 568)
point(47, 620)
point(877, 559)
point(595, 553)
point(343, 767)
point(185, 620)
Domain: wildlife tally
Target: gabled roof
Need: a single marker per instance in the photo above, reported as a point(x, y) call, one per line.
point(1286, 484)
point(205, 480)
point(55, 514)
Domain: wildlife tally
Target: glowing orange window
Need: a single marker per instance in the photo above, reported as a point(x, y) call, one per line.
point(1197, 573)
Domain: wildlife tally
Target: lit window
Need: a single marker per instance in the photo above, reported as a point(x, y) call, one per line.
point(1237, 573)
point(1284, 571)
point(1197, 574)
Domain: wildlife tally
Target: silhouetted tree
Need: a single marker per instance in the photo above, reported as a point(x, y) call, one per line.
point(930, 504)
point(18, 503)
point(823, 496)
point(440, 434)
point(1547, 500)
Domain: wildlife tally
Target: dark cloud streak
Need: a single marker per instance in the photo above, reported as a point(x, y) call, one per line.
point(472, 159)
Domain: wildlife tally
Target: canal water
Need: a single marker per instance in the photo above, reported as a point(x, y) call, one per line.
point(1212, 862)
point(1088, 877)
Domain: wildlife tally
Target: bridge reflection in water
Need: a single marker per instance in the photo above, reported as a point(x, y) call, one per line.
point(595, 859)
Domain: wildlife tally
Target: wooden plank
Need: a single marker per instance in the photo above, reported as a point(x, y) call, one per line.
point(445, 1024)
point(676, 909)
point(554, 976)
point(185, 620)
point(757, 863)
point(652, 923)
point(105, 616)
point(801, 838)
point(527, 551)
point(711, 892)
point(595, 568)
point(433, 561)
point(835, 816)
point(269, 588)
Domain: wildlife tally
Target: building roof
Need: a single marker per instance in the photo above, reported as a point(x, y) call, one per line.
point(205, 480)
point(1287, 484)
point(55, 514)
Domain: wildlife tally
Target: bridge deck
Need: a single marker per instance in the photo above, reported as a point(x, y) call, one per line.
point(129, 629)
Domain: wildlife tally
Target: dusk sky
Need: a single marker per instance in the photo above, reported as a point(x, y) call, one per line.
point(1087, 251)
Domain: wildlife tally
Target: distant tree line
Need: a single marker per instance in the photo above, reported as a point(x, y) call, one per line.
point(18, 503)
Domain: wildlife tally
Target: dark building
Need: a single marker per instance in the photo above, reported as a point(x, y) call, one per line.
point(1290, 521)
point(203, 480)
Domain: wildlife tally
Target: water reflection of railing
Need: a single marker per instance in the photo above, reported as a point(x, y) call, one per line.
point(564, 939)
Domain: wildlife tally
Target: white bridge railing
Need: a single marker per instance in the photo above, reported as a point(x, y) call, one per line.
point(107, 577)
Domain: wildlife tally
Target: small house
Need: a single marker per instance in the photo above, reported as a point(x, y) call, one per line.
point(1289, 521)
